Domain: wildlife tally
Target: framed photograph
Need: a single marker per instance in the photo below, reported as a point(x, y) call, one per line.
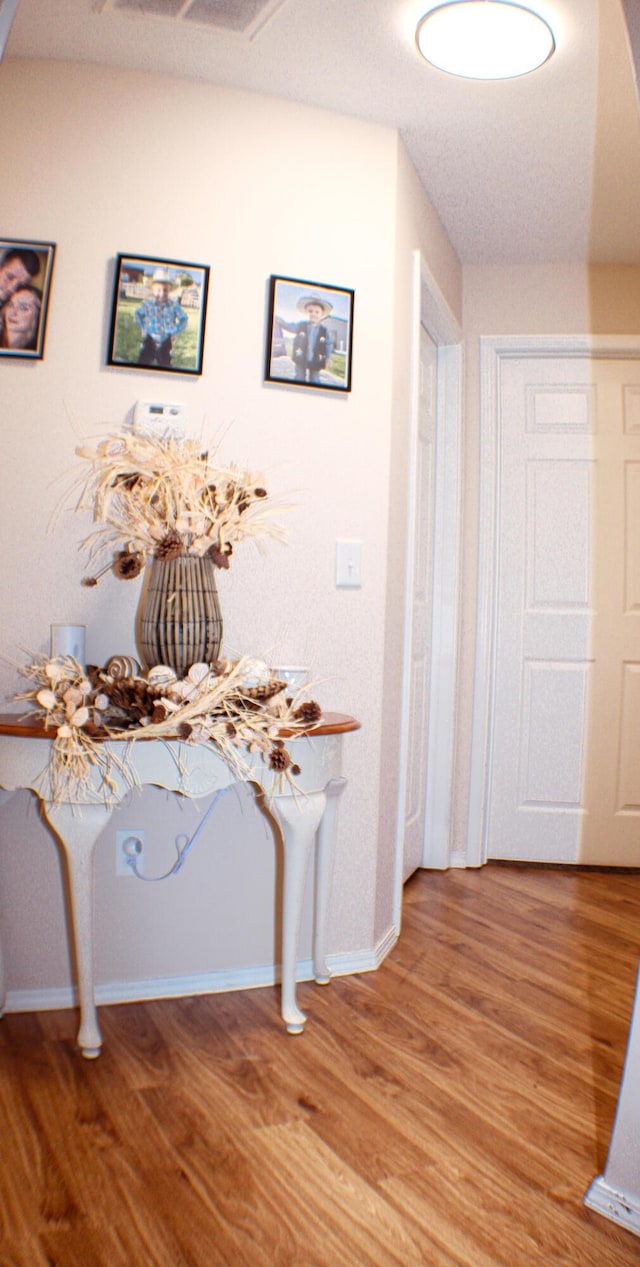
point(25, 282)
point(310, 333)
point(158, 314)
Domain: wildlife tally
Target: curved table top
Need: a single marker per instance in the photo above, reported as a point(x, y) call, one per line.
point(29, 728)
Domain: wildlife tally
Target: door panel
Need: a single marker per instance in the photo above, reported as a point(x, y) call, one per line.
point(611, 832)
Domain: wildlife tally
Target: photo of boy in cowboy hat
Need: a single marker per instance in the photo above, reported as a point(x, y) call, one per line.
point(158, 314)
point(312, 346)
point(319, 354)
point(161, 319)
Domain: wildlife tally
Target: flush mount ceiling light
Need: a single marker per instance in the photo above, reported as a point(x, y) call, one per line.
point(484, 39)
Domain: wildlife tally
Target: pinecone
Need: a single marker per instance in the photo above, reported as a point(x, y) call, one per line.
point(279, 758)
point(308, 712)
point(170, 547)
point(130, 698)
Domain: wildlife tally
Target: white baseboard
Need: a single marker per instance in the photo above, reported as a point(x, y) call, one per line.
point(622, 1207)
point(220, 982)
point(458, 858)
point(381, 951)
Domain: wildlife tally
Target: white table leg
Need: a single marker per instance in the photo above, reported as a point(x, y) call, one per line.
point(78, 829)
point(324, 870)
point(299, 820)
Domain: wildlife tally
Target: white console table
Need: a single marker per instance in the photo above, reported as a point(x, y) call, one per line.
point(305, 815)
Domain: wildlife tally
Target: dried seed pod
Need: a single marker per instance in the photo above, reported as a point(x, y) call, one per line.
point(161, 677)
point(128, 564)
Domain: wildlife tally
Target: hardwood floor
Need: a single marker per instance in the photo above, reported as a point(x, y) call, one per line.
point(449, 1110)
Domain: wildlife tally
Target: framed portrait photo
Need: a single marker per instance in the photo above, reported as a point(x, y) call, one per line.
point(309, 334)
point(158, 314)
point(25, 283)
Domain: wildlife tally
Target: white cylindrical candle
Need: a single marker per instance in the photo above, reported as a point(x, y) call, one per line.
point(69, 640)
point(295, 675)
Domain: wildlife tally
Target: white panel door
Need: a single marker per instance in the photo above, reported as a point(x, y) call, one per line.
point(544, 608)
point(422, 609)
point(565, 753)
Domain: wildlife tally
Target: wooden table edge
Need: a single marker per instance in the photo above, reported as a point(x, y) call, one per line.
point(29, 728)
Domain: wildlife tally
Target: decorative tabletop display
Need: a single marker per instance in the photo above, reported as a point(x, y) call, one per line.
point(159, 500)
point(236, 708)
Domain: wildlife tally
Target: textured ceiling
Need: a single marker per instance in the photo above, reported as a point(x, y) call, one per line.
point(545, 168)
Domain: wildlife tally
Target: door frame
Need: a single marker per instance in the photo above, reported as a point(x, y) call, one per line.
point(493, 350)
point(431, 310)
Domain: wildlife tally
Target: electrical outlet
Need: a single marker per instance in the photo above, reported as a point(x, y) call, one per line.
point(129, 852)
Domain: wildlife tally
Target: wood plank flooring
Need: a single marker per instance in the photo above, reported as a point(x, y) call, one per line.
point(449, 1110)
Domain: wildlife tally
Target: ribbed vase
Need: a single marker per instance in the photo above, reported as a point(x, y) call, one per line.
point(179, 617)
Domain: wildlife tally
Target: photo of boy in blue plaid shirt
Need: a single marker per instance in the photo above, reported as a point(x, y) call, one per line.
point(161, 319)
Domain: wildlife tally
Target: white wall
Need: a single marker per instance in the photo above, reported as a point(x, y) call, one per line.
point(102, 162)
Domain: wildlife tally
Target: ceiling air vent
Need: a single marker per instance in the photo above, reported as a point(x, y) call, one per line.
point(241, 17)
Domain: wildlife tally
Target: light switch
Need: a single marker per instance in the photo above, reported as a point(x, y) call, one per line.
point(348, 564)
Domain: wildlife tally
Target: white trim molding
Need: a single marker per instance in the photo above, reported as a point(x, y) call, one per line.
point(622, 1208)
point(431, 310)
point(444, 647)
point(340, 965)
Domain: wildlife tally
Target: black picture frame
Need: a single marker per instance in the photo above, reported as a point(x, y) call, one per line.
point(291, 357)
point(135, 335)
point(26, 269)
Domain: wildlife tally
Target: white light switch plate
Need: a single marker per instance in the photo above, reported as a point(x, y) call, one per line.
point(348, 564)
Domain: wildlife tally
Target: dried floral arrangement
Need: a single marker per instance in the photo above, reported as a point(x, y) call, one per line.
point(222, 706)
point(161, 496)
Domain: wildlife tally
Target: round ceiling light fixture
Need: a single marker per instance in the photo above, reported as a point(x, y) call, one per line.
point(484, 39)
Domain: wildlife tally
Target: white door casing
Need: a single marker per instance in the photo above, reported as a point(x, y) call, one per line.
point(431, 311)
point(551, 460)
point(421, 617)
